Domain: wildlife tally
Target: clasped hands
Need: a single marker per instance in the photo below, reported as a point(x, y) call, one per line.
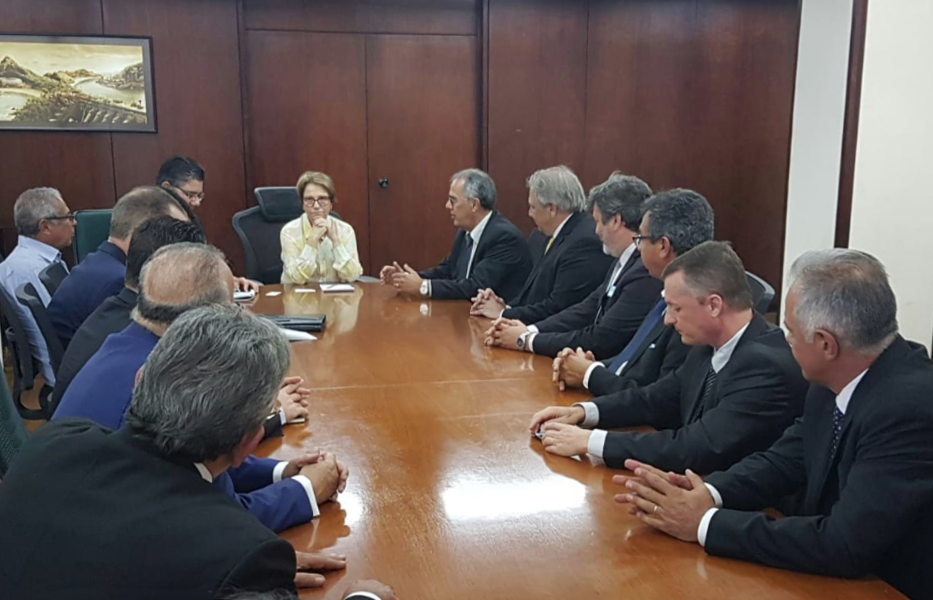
point(293, 399)
point(504, 333)
point(322, 227)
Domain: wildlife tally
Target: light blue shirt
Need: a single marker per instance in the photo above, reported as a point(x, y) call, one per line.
point(23, 266)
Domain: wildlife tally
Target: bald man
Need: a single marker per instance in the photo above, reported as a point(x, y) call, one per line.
point(179, 278)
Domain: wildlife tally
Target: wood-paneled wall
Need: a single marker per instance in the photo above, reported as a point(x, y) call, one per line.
point(691, 93)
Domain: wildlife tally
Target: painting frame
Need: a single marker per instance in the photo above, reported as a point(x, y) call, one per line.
point(70, 109)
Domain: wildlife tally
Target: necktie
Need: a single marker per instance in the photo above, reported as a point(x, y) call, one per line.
point(550, 242)
point(647, 326)
point(837, 429)
point(463, 261)
point(707, 395)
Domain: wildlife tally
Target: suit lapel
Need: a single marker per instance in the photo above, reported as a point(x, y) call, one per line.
point(549, 255)
point(652, 338)
point(607, 301)
point(697, 379)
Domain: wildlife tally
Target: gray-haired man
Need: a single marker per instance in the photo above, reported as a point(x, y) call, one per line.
point(134, 512)
point(568, 265)
point(45, 225)
point(860, 456)
point(177, 279)
point(488, 251)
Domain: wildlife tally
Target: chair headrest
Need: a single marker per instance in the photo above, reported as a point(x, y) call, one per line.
point(280, 203)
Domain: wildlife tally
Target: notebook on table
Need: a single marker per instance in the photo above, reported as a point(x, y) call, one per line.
point(302, 323)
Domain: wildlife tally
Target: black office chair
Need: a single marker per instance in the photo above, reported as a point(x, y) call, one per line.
point(23, 365)
point(27, 295)
point(762, 292)
point(12, 433)
point(52, 276)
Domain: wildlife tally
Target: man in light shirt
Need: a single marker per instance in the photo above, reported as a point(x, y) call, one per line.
point(737, 391)
point(861, 455)
point(45, 226)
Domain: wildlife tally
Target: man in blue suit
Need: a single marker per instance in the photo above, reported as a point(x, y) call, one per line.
point(179, 278)
point(100, 275)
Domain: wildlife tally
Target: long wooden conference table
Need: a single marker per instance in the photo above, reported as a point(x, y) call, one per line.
point(449, 497)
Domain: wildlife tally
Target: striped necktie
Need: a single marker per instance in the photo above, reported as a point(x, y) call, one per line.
point(837, 429)
point(707, 395)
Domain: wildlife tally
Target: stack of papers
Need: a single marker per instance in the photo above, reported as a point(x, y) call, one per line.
point(336, 287)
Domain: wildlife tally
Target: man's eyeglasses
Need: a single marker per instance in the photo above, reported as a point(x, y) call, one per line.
point(199, 196)
point(637, 239)
point(322, 202)
point(68, 217)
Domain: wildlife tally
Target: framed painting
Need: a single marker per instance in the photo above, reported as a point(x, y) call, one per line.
point(76, 83)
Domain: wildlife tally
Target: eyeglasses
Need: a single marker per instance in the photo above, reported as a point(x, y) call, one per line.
point(637, 239)
point(68, 217)
point(322, 202)
point(199, 196)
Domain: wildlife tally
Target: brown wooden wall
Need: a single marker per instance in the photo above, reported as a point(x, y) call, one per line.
point(693, 93)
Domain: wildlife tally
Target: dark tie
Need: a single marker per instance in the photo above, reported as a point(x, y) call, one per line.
point(837, 429)
point(463, 261)
point(647, 326)
point(708, 386)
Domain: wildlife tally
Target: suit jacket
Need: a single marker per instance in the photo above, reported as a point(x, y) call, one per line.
point(99, 276)
point(661, 353)
point(501, 262)
point(564, 275)
point(757, 395)
point(102, 392)
point(866, 509)
point(602, 323)
point(119, 520)
point(110, 317)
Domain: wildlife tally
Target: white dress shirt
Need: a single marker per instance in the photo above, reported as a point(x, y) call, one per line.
point(842, 403)
point(597, 441)
point(610, 291)
point(476, 233)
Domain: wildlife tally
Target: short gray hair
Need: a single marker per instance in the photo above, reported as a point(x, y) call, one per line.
point(34, 205)
point(558, 186)
point(684, 217)
point(477, 184)
point(179, 278)
point(138, 206)
point(847, 293)
point(622, 195)
point(210, 381)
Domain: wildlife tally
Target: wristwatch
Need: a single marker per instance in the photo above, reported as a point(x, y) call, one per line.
point(424, 288)
point(520, 342)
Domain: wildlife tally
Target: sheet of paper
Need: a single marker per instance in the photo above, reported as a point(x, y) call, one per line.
point(336, 287)
point(304, 290)
point(297, 336)
point(272, 294)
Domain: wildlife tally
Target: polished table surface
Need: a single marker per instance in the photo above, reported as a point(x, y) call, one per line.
point(449, 497)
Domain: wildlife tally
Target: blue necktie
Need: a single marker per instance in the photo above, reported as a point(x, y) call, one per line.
point(837, 429)
point(463, 261)
point(647, 326)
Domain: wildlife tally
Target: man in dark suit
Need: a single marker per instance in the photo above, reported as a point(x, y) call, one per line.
point(675, 222)
point(114, 314)
point(179, 278)
point(568, 267)
point(736, 393)
point(132, 513)
point(861, 455)
point(608, 318)
point(488, 252)
point(100, 275)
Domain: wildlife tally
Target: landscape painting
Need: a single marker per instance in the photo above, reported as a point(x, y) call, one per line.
point(76, 83)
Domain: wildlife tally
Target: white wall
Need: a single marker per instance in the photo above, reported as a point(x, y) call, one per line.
point(892, 203)
point(819, 116)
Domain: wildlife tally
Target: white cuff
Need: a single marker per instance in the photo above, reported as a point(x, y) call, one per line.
point(282, 418)
point(533, 329)
point(597, 443)
point(306, 484)
point(589, 371)
point(717, 497)
point(591, 414)
point(502, 312)
point(703, 529)
point(277, 471)
point(530, 343)
point(362, 595)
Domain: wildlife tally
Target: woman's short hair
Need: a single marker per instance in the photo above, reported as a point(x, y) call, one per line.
point(317, 178)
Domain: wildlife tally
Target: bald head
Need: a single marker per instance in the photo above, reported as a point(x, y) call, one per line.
point(181, 277)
